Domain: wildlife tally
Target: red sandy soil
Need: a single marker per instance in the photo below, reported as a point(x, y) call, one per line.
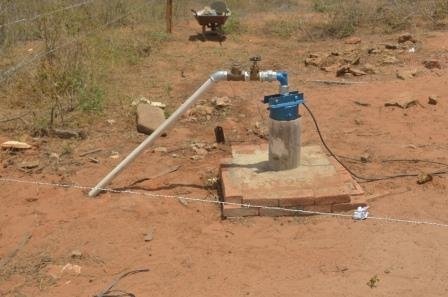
point(193, 251)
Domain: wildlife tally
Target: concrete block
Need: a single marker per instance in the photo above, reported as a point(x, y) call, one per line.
point(315, 185)
point(149, 118)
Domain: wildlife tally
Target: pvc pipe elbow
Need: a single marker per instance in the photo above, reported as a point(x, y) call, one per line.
point(219, 75)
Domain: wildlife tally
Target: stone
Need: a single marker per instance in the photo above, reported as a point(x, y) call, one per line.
point(160, 149)
point(149, 235)
point(143, 100)
point(54, 157)
point(332, 68)
point(357, 72)
point(369, 69)
point(201, 110)
point(200, 151)
point(432, 64)
point(149, 118)
point(344, 69)
point(353, 40)
point(76, 254)
point(406, 37)
point(114, 155)
point(373, 51)
point(433, 100)
point(391, 46)
point(67, 134)
point(313, 60)
point(15, 145)
point(406, 74)
point(365, 158)
point(390, 60)
point(361, 103)
point(402, 103)
point(221, 102)
point(424, 178)
point(29, 164)
point(352, 59)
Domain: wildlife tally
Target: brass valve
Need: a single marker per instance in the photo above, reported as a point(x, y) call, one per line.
point(236, 74)
point(255, 68)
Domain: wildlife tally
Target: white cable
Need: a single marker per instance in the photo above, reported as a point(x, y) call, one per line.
point(74, 186)
point(47, 13)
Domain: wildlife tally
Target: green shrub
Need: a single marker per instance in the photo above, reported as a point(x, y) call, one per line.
point(234, 25)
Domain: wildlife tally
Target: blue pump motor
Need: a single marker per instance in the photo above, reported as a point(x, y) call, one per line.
point(284, 107)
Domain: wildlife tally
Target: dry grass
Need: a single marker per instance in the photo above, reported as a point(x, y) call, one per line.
point(345, 17)
point(71, 81)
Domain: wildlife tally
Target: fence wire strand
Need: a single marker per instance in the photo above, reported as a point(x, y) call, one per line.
point(218, 202)
point(49, 13)
point(11, 71)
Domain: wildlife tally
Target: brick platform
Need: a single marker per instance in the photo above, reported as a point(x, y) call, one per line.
point(318, 184)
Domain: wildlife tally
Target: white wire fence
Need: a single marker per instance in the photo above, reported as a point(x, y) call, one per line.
point(218, 202)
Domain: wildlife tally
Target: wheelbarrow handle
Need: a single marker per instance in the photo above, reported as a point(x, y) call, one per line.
point(195, 12)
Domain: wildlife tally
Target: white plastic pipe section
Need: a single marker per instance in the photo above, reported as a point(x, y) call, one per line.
point(215, 77)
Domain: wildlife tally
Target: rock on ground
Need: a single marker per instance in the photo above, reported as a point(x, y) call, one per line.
point(432, 63)
point(406, 74)
point(149, 118)
point(406, 37)
point(433, 100)
point(353, 40)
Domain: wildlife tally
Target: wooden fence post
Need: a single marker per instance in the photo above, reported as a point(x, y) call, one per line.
point(169, 16)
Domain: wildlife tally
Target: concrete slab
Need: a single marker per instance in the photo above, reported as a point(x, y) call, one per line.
point(319, 183)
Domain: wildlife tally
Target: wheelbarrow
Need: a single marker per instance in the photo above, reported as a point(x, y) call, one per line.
point(213, 19)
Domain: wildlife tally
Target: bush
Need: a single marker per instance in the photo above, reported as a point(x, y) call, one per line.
point(344, 17)
point(234, 25)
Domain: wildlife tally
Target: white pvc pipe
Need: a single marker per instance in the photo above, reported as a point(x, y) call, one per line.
point(217, 76)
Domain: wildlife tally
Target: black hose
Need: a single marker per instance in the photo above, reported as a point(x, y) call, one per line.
point(368, 179)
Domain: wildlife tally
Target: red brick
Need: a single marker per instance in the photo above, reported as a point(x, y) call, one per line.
point(302, 197)
point(229, 188)
point(234, 199)
point(328, 200)
point(268, 212)
point(319, 208)
point(236, 211)
point(261, 202)
point(341, 207)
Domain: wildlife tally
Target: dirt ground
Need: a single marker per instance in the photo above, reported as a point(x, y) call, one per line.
point(193, 251)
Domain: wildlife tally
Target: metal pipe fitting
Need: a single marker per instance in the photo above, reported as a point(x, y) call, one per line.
point(219, 75)
point(236, 74)
point(267, 75)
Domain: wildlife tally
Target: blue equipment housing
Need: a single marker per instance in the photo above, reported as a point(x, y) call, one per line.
point(284, 107)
